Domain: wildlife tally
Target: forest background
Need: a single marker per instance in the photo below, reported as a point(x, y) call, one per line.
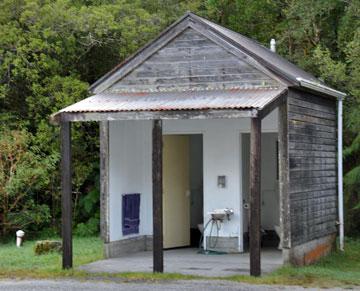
point(51, 51)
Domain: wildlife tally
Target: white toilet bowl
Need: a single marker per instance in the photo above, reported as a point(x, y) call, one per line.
point(278, 232)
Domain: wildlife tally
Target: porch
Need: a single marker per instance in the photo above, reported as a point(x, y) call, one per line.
point(188, 261)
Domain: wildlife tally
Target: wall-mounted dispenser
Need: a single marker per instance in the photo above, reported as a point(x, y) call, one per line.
point(221, 181)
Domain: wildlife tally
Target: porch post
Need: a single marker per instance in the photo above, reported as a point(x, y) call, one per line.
point(283, 136)
point(255, 197)
point(158, 260)
point(104, 181)
point(66, 201)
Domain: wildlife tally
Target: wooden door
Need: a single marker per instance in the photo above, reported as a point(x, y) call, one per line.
point(176, 185)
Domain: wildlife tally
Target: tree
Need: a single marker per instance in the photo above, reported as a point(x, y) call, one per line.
point(22, 173)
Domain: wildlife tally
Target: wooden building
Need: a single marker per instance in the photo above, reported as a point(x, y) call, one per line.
point(202, 121)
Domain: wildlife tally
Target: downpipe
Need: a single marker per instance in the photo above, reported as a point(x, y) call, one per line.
point(340, 173)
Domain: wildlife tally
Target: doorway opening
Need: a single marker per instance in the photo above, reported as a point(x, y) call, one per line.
point(182, 190)
point(270, 201)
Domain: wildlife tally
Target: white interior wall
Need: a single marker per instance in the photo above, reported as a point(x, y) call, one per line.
point(130, 166)
point(270, 213)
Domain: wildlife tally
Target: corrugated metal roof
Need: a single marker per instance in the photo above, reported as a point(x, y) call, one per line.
point(185, 100)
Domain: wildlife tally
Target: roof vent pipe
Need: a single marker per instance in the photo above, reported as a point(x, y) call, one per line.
point(273, 45)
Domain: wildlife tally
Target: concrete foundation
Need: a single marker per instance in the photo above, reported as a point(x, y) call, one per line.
point(223, 244)
point(310, 252)
point(188, 261)
point(127, 246)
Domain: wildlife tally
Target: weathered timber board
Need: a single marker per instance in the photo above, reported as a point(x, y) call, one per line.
point(311, 174)
point(312, 166)
point(311, 130)
point(192, 61)
point(312, 147)
point(311, 112)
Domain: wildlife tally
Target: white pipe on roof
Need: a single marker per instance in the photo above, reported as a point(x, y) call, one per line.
point(340, 175)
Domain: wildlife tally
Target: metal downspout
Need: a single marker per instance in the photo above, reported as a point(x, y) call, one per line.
point(340, 174)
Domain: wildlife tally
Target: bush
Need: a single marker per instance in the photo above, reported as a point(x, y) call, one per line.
point(90, 228)
point(47, 246)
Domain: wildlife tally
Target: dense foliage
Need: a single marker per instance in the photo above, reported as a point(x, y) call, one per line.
point(51, 50)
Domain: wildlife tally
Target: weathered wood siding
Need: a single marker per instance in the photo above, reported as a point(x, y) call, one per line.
point(312, 166)
point(192, 61)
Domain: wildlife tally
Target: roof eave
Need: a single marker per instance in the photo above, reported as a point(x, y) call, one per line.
point(320, 88)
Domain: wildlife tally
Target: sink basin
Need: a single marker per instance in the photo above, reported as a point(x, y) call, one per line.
point(221, 214)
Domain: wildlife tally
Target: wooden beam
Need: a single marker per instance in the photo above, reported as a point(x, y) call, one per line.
point(104, 180)
point(273, 104)
point(157, 143)
point(152, 115)
point(283, 136)
point(66, 199)
point(255, 197)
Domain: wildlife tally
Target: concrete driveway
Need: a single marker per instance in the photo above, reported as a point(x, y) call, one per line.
point(189, 262)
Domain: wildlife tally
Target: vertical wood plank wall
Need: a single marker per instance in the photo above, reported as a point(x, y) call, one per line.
point(312, 166)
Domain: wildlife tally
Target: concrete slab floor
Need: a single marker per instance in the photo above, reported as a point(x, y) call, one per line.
point(188, 261)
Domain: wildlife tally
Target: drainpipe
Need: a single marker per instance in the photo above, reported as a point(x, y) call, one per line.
point(340, 174)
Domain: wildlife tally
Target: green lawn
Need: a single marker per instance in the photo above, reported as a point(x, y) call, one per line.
point(338, 269)
point(22, 262)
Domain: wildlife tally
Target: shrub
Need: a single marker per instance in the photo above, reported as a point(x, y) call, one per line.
point(90, 228)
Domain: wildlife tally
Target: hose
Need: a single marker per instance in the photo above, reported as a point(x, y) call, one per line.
point(218, 227)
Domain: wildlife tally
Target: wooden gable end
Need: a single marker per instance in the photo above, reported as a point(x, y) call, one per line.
point(191, 61)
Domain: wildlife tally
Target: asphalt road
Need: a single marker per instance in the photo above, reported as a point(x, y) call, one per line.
point(198, 285)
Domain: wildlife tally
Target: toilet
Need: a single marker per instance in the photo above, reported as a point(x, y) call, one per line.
point(201, 228)
point(278, 232)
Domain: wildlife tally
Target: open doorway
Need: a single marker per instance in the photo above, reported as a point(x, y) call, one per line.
point(270, 202)
point(182, 189)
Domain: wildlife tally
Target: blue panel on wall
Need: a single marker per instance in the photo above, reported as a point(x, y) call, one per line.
point(130, 213)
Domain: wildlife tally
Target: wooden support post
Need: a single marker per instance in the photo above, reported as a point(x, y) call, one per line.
point(158, 259)
point(283, 125)
point(66, 199)
point(255, 197)
point(104, 181)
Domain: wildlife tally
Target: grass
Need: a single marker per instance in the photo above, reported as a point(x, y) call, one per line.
point(338, 269)
point(22, 262)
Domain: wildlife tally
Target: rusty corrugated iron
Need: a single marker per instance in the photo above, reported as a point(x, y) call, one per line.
point(184, 100)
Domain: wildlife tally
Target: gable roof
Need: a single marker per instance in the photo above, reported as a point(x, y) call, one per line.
point(259, 56)
point(192, 62)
